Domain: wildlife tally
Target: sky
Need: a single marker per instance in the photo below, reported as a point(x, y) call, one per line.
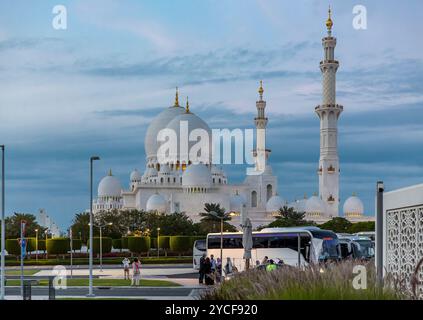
point(93, 88)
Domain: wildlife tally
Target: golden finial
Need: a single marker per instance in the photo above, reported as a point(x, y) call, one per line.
point(176, 98)
point(354, 194)
point(314, 194)
point(329, 22)
point(261, 90)
point(110, 172)
point(305, 195)
point(187, 107)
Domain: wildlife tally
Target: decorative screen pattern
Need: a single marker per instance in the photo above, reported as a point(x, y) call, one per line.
point(404, 246)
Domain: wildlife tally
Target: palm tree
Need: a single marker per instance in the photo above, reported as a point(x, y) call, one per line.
point(211, 217)
point(80, 226)
point(288, 217)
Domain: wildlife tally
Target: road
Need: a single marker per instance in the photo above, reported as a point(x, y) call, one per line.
point(176, 292)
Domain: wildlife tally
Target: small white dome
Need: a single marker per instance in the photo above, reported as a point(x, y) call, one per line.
point(197, 175)
point(274, 204)
point(353, 206)
point(156, 202)
point(109, 186)
point(236, 202)
point(135, 176)
point(315, 206)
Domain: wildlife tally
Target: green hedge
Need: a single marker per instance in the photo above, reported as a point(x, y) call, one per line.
point(139, 244)
point(33, 244)
point(13, 247)
point(76, 244)
point(125, 243)
point(106, 245)
point(164, 242)
point(58, 245)
point(180, 243)
point(117, 244)
point(41, 245)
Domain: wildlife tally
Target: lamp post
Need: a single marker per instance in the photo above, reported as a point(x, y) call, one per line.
point(3, 229)
point(222, 218)
point(158, 242)
point(379, 231)
point(101, 242)
point(36, 244)
point(90, 290)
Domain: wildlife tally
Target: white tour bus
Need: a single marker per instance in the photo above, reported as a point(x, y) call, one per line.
point(315, 244)
point(198, 250)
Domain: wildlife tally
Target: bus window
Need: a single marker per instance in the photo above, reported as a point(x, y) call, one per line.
point(229, 242)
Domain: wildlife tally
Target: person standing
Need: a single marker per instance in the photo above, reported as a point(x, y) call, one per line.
point(208, 275)
point(126, 264)
point(213, 263)
point(136, 272)
point(201, 271)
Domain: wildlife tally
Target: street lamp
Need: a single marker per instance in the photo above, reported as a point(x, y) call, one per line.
point(158, 242)
point(3, 229)
point(101, 242)
point(36, 245)
point(90, 292)
point(222, 218)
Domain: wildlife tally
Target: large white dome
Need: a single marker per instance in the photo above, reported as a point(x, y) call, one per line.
point(194, 122)
point(353, 206)
point(156, 202)
point(197, 175)
point(315, 206)
point(274, 204)
point(109, 186)
point(160, 122)
point(299, 205)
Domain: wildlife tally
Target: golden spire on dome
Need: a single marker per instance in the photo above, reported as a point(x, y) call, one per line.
point(354, 194)
point(187, 107)
point(261, 90)
point(176, 98)
point(329, 22)
point(110, 172)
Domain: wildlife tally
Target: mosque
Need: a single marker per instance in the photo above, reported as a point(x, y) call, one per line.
point(184, 186)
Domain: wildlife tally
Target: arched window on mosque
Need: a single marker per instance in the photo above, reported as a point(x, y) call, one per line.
point(269, 191)
point(254, 199)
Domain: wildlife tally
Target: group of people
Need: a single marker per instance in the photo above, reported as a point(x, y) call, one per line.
point(136, 270)
point(211, 269)
point(270, 264)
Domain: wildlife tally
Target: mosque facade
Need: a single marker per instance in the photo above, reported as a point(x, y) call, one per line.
point(180, 185)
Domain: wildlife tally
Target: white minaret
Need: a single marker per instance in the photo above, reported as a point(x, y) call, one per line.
point(328, 113)
point(261, 154)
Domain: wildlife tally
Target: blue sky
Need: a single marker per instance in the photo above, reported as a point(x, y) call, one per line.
point(93, 89)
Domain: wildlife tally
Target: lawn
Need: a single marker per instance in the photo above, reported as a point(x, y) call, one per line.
point(104, 283)
point(18, 272)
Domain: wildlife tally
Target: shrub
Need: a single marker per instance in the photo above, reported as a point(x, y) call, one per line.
point(32, 242)
point(125, 243)
point(153, 243)
point(164, 242)
point(13, 247)
point(41, 245)
point(139, 244)
point(117, 244)
point(180, 244)
point(106, 245)
point(58, 245)
point(76, 244)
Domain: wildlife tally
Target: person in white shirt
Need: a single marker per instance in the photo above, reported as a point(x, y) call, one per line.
point(126, 264)
point(136, 272)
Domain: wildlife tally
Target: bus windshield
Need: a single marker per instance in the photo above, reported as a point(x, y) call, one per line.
point(330, 245)
point(365, 249)
point(200, 245)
